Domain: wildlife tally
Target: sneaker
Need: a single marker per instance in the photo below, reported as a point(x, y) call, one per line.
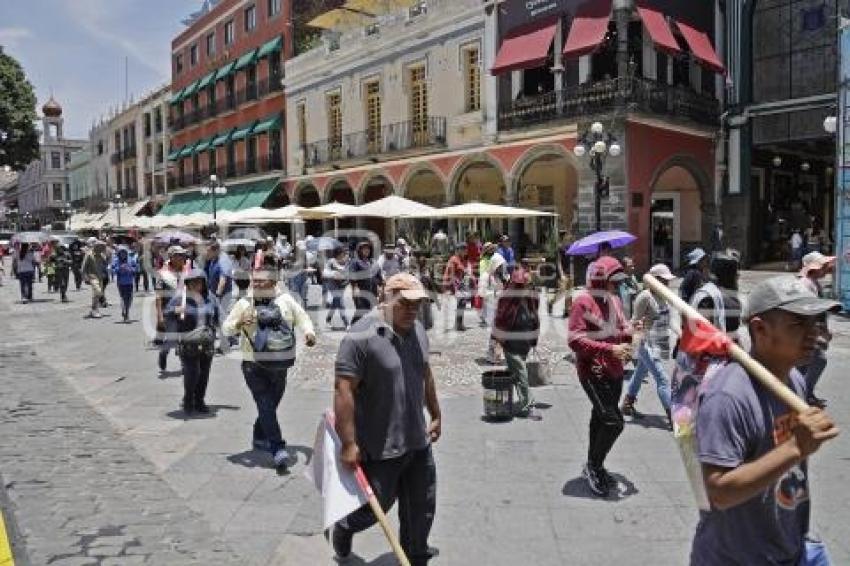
point(341, 541)
point(96, 314)
point(281, 458)
point(595, 481)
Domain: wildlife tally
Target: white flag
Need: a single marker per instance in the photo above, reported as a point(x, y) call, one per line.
point(338, 485)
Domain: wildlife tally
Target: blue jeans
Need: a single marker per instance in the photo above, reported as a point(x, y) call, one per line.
point(25, 279)
point(648, 363)
point(298, 285)
point(126, 292)
point(267, 386)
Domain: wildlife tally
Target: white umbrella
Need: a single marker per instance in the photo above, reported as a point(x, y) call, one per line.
point(330, 210)
point(259, 215)
point(394, 207)
point(196, 219)
point(480, 210)
point(162, 221)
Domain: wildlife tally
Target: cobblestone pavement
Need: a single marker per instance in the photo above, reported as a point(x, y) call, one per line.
point(101, 467)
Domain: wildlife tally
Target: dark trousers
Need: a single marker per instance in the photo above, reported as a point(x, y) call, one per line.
point(267, 386)
point(362, 304)
point(104, 281)
point(62, 277)
point(336, 304)
point(143, 276)
point(51, 282)
point(25, 280)
point(126, 292)
point(196, 376)
point(461, 306)
point(412, 479)
point(606, 420)
point(78, 277)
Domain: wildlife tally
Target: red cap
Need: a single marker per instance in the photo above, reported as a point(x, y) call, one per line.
point(603, 268)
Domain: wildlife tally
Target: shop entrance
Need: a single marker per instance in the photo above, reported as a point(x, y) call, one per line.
point(665, 230)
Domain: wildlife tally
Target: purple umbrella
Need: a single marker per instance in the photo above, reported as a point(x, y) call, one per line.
point(589, 245)
point(175, 236)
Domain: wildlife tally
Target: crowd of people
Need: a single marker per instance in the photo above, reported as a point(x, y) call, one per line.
point(256, 298)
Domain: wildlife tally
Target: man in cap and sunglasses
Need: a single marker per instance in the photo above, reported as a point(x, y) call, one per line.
point(383, 383)
point(753, 449)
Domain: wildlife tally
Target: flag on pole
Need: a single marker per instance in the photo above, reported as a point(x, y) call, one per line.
point(700, 337)
point(338, 485)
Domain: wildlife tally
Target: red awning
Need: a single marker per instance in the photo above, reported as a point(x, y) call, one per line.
point(588, 29)
point(659, 30)
point(526, 47)
point(701, 48)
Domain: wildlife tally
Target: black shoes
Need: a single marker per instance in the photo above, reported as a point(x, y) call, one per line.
point(163, 358)
point(202, 407)
point(597, 480)
point(341, 541)
point(816, 402)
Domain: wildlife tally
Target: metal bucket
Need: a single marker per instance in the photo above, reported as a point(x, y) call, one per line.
point(498, 387)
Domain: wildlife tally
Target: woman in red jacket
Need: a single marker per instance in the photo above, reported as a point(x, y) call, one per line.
point(601, 339)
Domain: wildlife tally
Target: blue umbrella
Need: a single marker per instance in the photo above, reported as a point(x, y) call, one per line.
point(323, 244)
point(589, 245)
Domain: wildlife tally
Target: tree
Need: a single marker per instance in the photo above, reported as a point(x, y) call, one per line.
point(18, 134)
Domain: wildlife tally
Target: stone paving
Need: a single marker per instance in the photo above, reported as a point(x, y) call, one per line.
point(101, 467)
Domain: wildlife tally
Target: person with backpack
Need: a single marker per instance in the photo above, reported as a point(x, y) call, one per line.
point(77, 255)
point(517, 327)
point(266, 320)
point(124, 268)
point(192, 316)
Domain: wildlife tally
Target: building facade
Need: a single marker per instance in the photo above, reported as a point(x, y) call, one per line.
point(79, 174)
point(155, 144)
point(43, 187)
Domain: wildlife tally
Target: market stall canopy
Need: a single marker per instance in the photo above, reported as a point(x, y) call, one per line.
point(330, 210)
point(393, 206)
point(481, 210)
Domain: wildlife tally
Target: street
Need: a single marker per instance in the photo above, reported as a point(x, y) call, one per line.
point(99, 465)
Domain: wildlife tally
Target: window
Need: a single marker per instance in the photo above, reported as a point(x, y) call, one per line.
point(250, 18)
point(229, 33)
point(301, 117)
point(211, 44)
point(67, 157)
point(472, 78)
point(117, 140)
point(251, 154)
point(157, 120)
point(274, 71)
point(212, 160)
point(178, 64)
point(147, 124)
point(419, 105)
point(193, 55)
point(335, 125)
point(251, 82)
point(100, 147)
point(373, 116)
point(57, 191)
point(55, 160)
point(274, 8)
point(160, 153)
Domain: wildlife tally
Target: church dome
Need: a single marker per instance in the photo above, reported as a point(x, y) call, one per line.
point(51, 108)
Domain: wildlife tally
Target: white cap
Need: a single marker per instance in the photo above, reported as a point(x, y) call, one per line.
point(661, 271)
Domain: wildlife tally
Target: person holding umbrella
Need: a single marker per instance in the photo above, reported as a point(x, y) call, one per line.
point(23, 267)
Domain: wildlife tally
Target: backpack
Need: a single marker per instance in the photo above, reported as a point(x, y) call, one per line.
point(274, 341)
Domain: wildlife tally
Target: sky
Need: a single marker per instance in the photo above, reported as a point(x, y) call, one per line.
point(77, 49)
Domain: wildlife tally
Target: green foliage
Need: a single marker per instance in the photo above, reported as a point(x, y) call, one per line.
point(18, 134)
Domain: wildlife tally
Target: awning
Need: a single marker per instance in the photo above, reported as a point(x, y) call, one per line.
point(242, 132)
point(588, 29)
point(191, 89)
point(175, 154)
point(222, 139)
point(203, 145)
point(526, 47)
point(701, 48)
point(224, 71)
point(659, 30)
point(270, 47)
point(242, 195)
point(258, 192)
point(207, 80)
point(177, 96)
point(246, 59)
point(187, 151)
point(272, 123)
point(183, 203)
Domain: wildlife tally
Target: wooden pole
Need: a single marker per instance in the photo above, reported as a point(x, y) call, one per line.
point(381, 516)
point(754, 368)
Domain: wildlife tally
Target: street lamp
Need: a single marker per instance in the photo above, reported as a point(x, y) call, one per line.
point(215, 188)
point(118, 204)
point(67, 212)
point(599, 144)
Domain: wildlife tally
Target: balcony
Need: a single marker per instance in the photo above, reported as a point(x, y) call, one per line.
point(391, 139)
point(630, 93)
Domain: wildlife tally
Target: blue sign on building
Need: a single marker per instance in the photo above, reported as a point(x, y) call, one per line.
point(842, 193)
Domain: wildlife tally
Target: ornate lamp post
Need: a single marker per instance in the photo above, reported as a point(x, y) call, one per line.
point(598, 144)
point(214, 188)
point(118, 203)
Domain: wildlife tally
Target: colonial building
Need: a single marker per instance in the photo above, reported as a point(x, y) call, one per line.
point(43, 186)
point(781, 158)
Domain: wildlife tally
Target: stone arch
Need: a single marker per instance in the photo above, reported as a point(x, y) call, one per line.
point(478, 161)
point(412, 186)
point(361, 191)
point(415, 170)
point(335, 189)
point(306, 194)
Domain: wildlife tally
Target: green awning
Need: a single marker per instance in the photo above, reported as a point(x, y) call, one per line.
point(187, 150)
point(203, 145)
point(177, 96)
point(207, 80)
point(222, 139)
point(246, 59)
point(224, 71)
point(248, 195)
point(184, 203)
point(174, 154)
point(270, 47)
point(272, 123)
point(191, 89)
point(242, 132)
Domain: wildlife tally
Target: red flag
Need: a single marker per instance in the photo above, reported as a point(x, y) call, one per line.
point(700, 337)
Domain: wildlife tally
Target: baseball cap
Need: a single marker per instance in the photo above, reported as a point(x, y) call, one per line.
point(177, 250)
point(504, 238)
point(787, 293)
point(815, 260)
point(695, 256)
point(661, 271)
point(407, 285)
point(607, 268)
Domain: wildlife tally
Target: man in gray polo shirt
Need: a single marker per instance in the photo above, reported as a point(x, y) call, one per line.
point(383, 382)
point(752, 448)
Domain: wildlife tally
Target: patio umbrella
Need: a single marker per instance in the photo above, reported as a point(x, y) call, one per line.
point(323, 244)
point(261, 215)
point(480, 210)
point(197, 219)
point(169, 236)
point(249, 233)
point(232, 243)
point(393, 207)
point(30, 238)
point(589, 245)
point(330, 210)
